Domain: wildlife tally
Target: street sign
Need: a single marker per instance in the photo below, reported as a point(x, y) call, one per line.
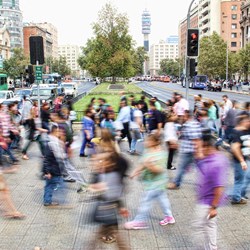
point(39, 73)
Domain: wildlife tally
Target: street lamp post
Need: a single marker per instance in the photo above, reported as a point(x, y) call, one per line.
point(187, 61)
point(227, 49)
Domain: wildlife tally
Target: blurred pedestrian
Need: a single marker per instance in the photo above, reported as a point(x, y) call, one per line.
point(153, 175)
point(240, 148)
point(212, 174)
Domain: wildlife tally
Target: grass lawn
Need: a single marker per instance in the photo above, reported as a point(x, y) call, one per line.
point(111, 96)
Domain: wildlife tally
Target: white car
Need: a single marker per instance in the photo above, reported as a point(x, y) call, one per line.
point(5, 95)
point(70, 88)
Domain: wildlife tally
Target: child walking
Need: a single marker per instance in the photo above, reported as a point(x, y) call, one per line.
point(153, 175)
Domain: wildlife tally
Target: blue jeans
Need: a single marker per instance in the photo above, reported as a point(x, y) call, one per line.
point(145, 206)
point(51, 185)
point(136, 135)
point(239, 176)
point(246, 180)
point(84, 143)
point(184, 160)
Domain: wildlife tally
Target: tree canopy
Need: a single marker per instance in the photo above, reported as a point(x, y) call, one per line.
point(15, 66)
point(110, 52)
point(171, 67)
point(58, 65)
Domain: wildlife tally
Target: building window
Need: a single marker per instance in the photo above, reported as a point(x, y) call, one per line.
point(233, 44)
point(234, 26)
point(13, 3)
point(234, 16)
point(234, 35)
point(1, 3)
point(234, 7)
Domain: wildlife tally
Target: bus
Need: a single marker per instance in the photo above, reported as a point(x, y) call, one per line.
point(3, 82)
point(52, 78)
point(198, 82)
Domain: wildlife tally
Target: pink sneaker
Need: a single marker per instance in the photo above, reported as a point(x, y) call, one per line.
point(135, 225)
point(167, 220)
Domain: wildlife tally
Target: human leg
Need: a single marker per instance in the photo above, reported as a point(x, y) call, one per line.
point(239, 175)
point(185, 159)
point(246, 181)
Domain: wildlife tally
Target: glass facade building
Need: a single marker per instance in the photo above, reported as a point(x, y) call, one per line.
point(11, 18)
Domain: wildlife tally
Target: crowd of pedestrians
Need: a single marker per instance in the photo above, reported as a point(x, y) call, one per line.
point(173, 137)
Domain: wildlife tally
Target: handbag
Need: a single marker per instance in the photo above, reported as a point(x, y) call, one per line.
point(106, 212)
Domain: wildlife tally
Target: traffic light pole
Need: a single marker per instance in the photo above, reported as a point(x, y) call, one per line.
point(187, 62)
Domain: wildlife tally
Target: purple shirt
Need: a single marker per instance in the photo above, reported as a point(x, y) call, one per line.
point(212, 173)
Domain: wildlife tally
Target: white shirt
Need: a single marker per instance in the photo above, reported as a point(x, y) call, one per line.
point(170, 132)
point(181, 106)
point(137, 119)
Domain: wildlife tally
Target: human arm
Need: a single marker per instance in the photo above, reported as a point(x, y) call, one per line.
point(218, 193)
point(236, 150)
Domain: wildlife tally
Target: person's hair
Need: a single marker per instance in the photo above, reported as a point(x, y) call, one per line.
point(54, 127)
point(155, 138)
point(107, 143)
point(207, 137)
point(152, 103)
point(132, 96)
point(143, 97)
point(247, 105)
point(241, 117)
point(125, 102)
point(24, 97)
point(92, 99)
point(224, 96)
point(200, 95)
point(234, 102)
point(11, 105)
point(88, 111)
point(134, 103)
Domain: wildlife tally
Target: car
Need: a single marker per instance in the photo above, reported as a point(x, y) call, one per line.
point(245, 87)
point(214, 86)
point(70, 89)
point(6, 94)
point(22, 92)
point(46, 95)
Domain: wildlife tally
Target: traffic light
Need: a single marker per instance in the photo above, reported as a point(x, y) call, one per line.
point(193, 65)
point(193, 42)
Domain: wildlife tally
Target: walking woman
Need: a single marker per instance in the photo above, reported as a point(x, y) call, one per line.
point(34, 133)
point(153, 174)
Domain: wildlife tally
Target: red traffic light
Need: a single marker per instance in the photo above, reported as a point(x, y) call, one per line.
point(194, 36)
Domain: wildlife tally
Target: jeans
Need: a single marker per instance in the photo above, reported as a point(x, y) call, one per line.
point(145, 206)
point(51, 185)
point(239, 176)
point(136, 135)
point(84, 143)
point(205, 230)
point(28, 143)
point(184, 160)
point(246, 180)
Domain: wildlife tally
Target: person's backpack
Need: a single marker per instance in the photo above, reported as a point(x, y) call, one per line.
point(131, 114)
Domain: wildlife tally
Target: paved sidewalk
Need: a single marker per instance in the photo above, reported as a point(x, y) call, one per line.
point(71, 229)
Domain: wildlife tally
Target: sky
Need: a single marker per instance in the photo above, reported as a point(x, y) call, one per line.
point(73, 18)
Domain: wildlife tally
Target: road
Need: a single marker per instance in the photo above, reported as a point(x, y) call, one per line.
point(85, 87)
point(163, 91)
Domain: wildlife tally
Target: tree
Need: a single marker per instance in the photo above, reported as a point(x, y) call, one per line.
point(139, 57)
point(212, 56)
point(244, 60)
point(170, 67)
point(58, 65)
point(15, 66)
point(110, 52)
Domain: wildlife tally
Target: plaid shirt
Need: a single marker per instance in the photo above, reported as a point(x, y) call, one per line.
point(6, 124)
point(191, 130)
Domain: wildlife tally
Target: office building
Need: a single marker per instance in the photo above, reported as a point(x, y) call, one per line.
point(11, 17)
point(50, 28)
point(35, 30)
point(160, 51)
point(183, 31)
point(4, 44)
point(245, 23)
point(71, 53)
point(230, 23)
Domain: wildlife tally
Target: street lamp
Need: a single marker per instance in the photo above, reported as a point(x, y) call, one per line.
point(227, 49)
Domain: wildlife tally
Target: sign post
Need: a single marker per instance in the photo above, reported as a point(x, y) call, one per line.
point(39, 77)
